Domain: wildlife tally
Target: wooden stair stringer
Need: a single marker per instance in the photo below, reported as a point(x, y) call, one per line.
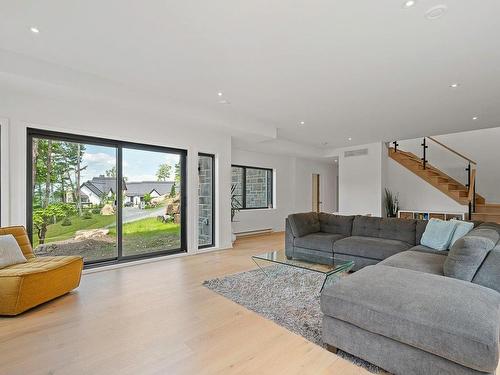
point(439, 179)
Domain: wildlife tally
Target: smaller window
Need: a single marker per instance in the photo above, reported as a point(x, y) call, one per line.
point(252, 187)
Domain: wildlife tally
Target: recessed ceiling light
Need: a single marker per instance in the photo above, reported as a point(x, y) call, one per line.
point(475, 118)
point(34, 30)
point(436, 12)
point(454, 85)
point(349, 139)
point(409, 4)
point(302, 123)
point(219, 93)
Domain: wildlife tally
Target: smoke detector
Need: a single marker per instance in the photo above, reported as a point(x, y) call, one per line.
point(436, 12)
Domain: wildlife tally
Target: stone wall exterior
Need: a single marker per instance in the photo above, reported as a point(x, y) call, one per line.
point(205, 203)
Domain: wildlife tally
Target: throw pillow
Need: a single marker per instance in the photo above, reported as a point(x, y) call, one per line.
point(10, 252)
point(438, 234)
point(462, 228)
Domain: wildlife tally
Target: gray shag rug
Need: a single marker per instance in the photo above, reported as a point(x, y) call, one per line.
point(287, 296)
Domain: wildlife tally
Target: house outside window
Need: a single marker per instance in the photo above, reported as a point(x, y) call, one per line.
point(253, 186)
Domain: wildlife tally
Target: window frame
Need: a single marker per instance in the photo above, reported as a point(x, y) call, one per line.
point(212, 244)
point(119, 146)
point(244, 187)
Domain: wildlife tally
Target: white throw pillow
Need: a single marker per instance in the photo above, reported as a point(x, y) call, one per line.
point(10, 252)
point(463, 227)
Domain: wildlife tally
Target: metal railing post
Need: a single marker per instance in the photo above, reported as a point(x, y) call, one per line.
point(468, 169)
point(395, 143)
point(424, 148)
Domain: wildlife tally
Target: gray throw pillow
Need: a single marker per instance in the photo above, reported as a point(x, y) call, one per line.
point(468, 253)
point(10, 252)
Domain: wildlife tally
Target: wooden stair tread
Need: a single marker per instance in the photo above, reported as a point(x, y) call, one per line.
point(441, 181)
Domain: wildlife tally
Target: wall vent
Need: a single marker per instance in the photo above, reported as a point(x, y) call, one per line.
point(350, 153)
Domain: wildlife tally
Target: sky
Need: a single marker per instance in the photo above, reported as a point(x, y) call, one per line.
point(138, 165)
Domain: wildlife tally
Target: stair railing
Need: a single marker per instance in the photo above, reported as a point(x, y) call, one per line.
point(471, 169)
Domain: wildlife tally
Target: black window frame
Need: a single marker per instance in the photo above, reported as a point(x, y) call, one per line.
point(119, 145)
point(244, 187)
point(212, 244)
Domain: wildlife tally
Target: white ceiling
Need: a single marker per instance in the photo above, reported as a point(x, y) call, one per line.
point(365, 69)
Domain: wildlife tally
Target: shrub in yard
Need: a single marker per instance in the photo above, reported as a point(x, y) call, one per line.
point(96, 211)
point(87, 215)
point(66, 222)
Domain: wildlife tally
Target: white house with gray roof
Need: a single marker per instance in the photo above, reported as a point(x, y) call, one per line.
point(93, 191)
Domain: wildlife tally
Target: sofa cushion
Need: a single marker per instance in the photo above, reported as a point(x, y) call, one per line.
point(419, 230)
point(366, 226)
point(488, 274)
point(457, 320)
point(318, 241)
point(304, 223)
point(417, 261)
point(336, 224)
point(468, 253)
point(369, 247)
point(398, 229)
point(391, 228)
point(425, 249)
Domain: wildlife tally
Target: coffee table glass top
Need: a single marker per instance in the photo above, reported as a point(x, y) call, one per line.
point(279, 257)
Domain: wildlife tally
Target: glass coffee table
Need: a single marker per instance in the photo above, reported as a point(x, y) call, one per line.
point(279, 257)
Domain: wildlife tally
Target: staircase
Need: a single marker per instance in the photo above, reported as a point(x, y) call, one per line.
point(478, 208)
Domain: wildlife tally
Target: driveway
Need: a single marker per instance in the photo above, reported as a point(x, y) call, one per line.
point(131, 214)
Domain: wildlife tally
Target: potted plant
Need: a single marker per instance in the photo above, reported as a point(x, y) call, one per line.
point(235, 208)
point(391, 203)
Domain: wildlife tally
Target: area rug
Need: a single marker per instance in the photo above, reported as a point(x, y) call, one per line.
point(287, 296)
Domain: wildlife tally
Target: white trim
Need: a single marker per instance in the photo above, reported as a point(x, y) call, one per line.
point(5, 171)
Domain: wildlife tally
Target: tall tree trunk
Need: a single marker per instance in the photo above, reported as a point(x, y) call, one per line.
point(46, 200)
point(78, 174)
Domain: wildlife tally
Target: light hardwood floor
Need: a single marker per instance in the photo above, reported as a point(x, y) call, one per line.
point(157, 318)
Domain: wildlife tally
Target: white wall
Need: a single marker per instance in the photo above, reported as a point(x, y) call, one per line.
point(361, 180)
point(415, 194)
point(110, 121)
point(293, 188)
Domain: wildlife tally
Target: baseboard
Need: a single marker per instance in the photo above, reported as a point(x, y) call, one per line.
point(256, 232)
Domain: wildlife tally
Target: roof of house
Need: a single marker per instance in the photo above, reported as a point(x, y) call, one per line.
point(102, 185)
point(146, 187)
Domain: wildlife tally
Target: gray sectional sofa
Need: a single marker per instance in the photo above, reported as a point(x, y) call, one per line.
point(417, 311)
point(322, 238)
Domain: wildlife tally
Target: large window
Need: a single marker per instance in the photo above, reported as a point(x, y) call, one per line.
point(252, 187)
point(206, 200)
point(105, 200)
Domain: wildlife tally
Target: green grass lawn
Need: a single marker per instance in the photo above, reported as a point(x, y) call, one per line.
point(147, 227)
point(140, 229)
point(57, 232)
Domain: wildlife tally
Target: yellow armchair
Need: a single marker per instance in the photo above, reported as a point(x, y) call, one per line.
point(41, 279)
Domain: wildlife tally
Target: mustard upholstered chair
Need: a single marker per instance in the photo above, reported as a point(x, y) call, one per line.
point(41, 279)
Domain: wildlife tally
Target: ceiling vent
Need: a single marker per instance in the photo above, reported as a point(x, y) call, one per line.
point(351, 153)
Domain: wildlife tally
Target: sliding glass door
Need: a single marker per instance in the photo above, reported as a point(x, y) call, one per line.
point(152, 201)
point(104, 200)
